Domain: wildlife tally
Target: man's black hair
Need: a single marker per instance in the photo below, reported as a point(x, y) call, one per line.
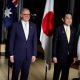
point(65, 14)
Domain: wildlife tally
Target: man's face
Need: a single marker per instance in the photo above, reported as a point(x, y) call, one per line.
point(25, 15)
point(67, 19)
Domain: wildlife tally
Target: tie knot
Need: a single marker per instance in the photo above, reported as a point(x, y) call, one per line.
point(67, 29)
point(26, 24)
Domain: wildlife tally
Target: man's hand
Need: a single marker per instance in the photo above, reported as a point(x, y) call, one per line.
point(74, 60)
point(55, 59)
point(33, 58)
point(12, 59)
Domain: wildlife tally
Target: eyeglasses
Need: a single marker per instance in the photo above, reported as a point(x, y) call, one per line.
point(26, 14)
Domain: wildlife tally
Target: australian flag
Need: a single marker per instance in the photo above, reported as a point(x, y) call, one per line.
point(10, 13)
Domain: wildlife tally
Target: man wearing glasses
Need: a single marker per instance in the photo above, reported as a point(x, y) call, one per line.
point(23, 45)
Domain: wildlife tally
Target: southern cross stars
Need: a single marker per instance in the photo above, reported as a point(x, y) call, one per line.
point(7, 12)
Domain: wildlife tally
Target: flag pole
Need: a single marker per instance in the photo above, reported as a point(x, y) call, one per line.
point(45, 38)
point(4, 6)
point(20, 7)
point(46, 73)
point(2, 44)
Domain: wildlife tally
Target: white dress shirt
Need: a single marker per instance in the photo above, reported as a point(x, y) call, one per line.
point(25, 28)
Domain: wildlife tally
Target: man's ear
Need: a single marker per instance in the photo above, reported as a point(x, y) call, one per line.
point(21, 15)
point(62, 19)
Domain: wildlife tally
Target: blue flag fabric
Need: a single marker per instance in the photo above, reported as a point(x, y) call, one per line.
point(10, 14)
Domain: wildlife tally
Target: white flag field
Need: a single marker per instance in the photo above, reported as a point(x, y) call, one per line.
point(78, 49)
point(78, 44)
point(46, 34)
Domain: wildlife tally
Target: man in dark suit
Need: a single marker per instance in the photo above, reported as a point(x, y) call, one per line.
point(23, 45)
point(63, 48)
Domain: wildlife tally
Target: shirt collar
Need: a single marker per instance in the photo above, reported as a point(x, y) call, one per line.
point(66, 27)
point(25, 22)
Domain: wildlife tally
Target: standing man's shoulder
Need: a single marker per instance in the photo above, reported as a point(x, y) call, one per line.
point(59, 28)
point(33, 24)
point(16, 23)
point(73, 28)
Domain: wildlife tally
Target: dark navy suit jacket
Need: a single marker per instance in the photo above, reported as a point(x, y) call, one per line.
point(61, 47)
point(18, 46)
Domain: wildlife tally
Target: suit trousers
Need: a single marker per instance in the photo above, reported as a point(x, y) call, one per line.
point(24, 67)
point(63, 68)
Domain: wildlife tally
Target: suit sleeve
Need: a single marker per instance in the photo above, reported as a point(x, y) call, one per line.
point(55, 42)
point(35, 41)
point(11, 40)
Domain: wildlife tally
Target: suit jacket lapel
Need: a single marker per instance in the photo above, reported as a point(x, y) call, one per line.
point(71, 32)
point(63, 30)
point(30, 28)
point(22, 31)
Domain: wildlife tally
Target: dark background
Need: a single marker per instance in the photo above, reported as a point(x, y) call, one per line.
point(60, 6)
point(1, 13)
point(37, 7)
